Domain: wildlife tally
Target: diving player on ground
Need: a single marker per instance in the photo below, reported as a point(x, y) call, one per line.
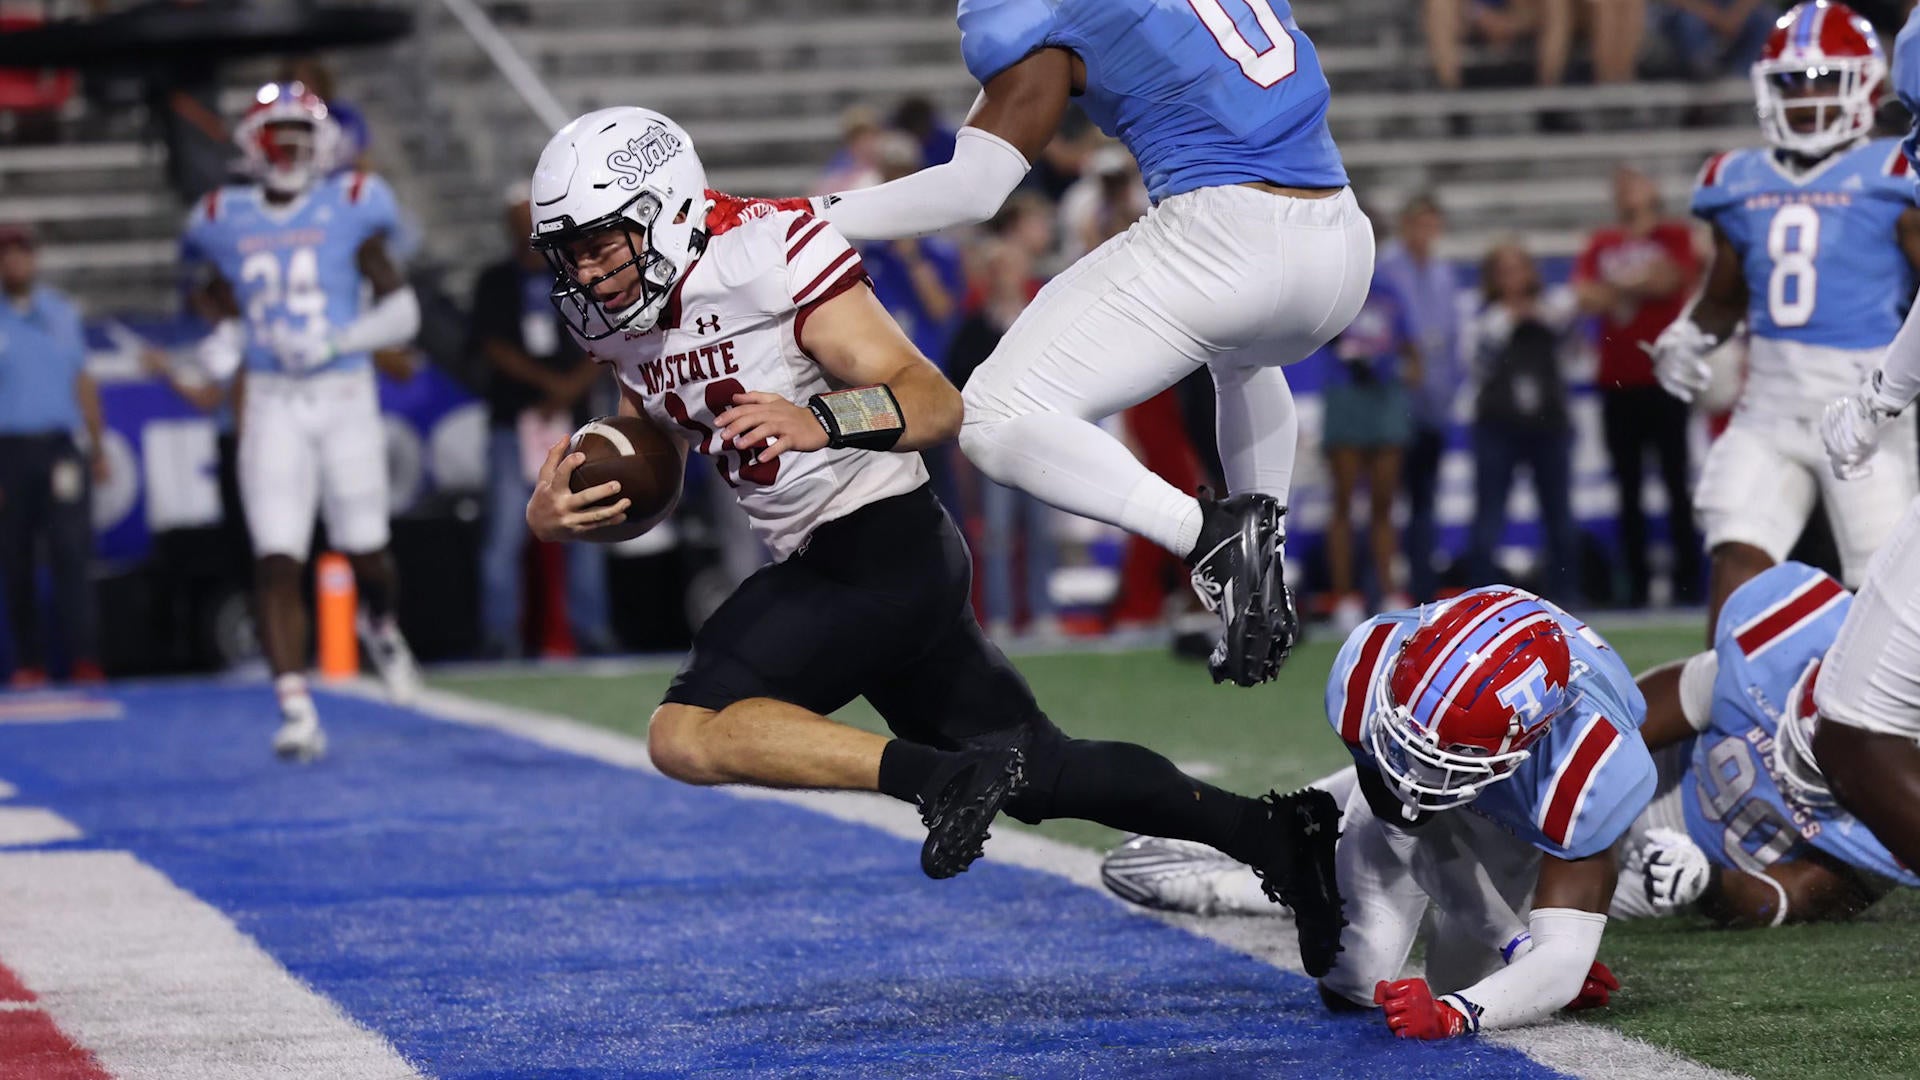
point(284, 259)
point(758, 343)
point(1254, 255)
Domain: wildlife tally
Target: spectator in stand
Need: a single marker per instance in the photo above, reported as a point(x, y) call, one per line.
point(857, 163)
point(1519, 341)
point(1636, 276)
point(1716, 37)
point(921, 283)
point(1616, 29)
point(1027, 222)
point(917, 118)
point(1366, 424)
point(1548, 22)
point(1430, 289)
point(46, 396)
point(1103, 203)
point(1012, 522)
point(540, 381)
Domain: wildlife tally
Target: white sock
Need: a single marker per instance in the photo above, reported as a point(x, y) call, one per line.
point(291, 690)
point(1069, 463)
point(1258, 429)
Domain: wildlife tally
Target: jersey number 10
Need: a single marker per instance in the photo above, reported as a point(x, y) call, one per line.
point(1793, 241)
point(1264, 68)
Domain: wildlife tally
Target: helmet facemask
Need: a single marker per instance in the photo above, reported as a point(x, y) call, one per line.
point(1793, 761)
point(290, 152)
point(1426, 775)
point(574, 297)
point(1814, 107)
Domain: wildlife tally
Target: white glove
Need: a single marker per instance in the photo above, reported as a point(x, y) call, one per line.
point(300, 352)
point(1851, 428)
point(1680, 358)
point(1677, 870)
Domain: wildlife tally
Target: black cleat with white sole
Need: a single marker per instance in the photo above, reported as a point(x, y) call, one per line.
point(960, 804)
point(1238, 569)
point(1296, 869)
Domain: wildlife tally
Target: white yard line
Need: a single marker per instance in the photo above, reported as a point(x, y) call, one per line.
point(1584, 1050)
point(24, 826)
point(159, 985)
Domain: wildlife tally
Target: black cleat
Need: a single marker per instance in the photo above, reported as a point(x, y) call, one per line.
point(1297, 871)
point(1237, 572)
point(962, 805)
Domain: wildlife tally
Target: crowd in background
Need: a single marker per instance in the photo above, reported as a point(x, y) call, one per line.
point(1439, 350)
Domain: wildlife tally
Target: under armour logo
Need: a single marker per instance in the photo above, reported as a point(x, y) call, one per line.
point(707, 324)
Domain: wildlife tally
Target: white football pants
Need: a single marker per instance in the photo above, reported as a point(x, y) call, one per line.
point(1236, 279)
point(1871, 677)
point(313, 443)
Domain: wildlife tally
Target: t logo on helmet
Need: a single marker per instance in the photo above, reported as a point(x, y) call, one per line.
point(1526, 695)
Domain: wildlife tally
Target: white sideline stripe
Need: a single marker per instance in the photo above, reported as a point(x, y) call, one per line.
point(1584, 1050)
point(158, 985)
point(58, 709)
point(23, 826)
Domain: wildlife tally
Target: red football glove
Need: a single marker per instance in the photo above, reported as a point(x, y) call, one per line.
point(1598, 988)
point(1412, 1012)
point(731, 210)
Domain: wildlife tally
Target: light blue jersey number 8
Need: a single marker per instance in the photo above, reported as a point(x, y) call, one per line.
point(1793, 240)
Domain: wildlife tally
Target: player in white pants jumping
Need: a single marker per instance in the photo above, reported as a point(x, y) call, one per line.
point(1254, 254)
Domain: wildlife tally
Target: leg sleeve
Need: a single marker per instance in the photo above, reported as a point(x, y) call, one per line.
point(1871, 677)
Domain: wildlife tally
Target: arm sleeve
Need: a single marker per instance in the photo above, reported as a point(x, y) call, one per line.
point(388, 322)
point(969, 189)
point(1541, 982)
point(1900, 371)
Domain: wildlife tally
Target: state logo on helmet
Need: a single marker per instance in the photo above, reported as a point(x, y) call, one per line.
point(287, 139)
point(1820, 78)
point(1469, 694)
point(620, 212)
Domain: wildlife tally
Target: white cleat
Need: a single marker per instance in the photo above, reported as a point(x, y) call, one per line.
point(300, 738)
point(392, 659)
point(1181, 875)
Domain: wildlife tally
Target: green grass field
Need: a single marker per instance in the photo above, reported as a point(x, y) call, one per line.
point(1794, 1003)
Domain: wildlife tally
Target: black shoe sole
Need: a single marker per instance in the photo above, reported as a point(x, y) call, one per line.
point(957, 834)
point(1308, 884)
point(1255, 643)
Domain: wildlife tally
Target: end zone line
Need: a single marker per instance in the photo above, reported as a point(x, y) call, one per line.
point(1577, 1049)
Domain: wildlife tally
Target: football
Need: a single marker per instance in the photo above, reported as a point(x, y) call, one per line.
point(645, 460)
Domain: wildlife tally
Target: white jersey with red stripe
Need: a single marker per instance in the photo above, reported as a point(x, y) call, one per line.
point(733, 325)
point(1771, 631)
point(1586, 779)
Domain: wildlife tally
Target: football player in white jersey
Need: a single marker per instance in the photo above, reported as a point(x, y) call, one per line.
point(1816, 240)
point(754, 338)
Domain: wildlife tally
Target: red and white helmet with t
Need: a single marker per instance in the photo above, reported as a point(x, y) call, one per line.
point(287, 139)
point(1819, 80)
point(1469, 694)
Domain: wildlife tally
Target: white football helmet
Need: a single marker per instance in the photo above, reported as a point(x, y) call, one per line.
point(627, 168)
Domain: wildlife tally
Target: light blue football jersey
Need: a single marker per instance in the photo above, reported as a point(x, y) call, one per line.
point(1822, 261)
point(1203, 92)
point(1587, 778)
point(293, 266)
point(1906, 82)
point(1770, 630)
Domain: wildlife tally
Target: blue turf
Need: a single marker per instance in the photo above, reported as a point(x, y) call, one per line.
point(498, 909)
